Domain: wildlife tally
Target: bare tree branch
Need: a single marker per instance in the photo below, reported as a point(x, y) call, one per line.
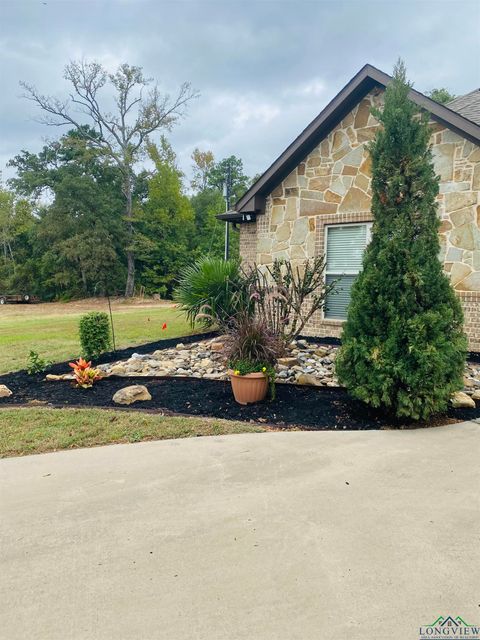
point(122, 135)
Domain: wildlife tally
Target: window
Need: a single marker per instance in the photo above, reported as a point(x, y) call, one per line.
point(345, 246)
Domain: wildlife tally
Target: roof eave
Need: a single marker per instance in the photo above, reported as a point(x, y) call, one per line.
point(367, 78)
point(236, 216)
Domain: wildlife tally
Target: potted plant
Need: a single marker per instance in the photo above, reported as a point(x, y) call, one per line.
point(252, 351)
point(250, 381)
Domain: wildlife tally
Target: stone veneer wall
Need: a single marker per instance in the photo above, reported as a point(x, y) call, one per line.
point(332, 186)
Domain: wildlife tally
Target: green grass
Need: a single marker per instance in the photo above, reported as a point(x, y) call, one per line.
point(55, 336)
point(39, 430)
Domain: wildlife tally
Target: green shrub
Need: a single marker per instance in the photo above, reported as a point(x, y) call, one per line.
point(212, 291)
point(36, 364)
point(403, 346)
point(94, 332)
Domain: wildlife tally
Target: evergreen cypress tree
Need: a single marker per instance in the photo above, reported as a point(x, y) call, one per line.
point(403, 346)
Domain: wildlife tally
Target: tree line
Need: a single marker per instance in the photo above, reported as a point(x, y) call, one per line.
point(104, 207)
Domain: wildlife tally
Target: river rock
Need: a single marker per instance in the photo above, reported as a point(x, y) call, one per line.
point(305, 362)
point(308, 379)
point(288, 361)
point(131, 394)
point(118, 370)
point(476, 395)
point(5, 391)
point(461, 400)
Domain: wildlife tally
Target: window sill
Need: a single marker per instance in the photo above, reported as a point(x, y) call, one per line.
point(333, 321)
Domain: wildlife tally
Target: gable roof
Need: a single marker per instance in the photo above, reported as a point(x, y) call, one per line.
point(468, 105)
point(253, 201)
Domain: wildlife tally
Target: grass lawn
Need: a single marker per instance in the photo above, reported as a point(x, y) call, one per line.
point(52, 329)
point(26, 431)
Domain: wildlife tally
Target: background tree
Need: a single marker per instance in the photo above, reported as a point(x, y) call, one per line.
point(209, 200)
point(441, 95)
point(203, 163)
point(218, 174)
point(210, 232)
point(121, 135)
point(165, 223)
point(403, 347)
point(16, 224)
point(78, 245)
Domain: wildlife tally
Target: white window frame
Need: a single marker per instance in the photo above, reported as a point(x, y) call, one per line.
point(347, 272)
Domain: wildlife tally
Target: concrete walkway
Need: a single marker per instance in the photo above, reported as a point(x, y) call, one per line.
point(275, 536)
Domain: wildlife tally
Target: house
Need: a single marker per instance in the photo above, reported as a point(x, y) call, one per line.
point(316, 196)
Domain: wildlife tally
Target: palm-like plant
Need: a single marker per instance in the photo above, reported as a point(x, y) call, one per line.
point(212, 291)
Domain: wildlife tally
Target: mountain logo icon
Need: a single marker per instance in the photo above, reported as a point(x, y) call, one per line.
point(450, 627)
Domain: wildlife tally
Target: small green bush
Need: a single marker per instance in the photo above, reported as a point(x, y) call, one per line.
point(94, 332)
point(36, 364)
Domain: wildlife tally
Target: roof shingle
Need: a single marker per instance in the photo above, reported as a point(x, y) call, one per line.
point(467, 106)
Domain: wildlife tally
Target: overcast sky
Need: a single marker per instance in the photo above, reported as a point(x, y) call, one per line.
point(264, 68)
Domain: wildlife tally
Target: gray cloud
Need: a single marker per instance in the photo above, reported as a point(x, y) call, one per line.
point(264, 68)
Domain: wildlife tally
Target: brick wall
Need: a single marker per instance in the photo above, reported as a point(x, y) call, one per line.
point(248, 242)
point(471, 309)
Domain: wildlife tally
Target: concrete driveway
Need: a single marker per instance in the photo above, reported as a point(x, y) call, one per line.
point(275, 536)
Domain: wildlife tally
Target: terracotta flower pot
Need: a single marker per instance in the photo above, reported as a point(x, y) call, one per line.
point(249, 388)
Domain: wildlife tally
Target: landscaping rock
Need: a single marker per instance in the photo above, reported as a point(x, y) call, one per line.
point(5, 391)
point(131, 394)
point(288, 362)
point(205, 359)
point(308, 379)
point(51, 377)
point(117, 370)
point(461, 400)
point(476, 395)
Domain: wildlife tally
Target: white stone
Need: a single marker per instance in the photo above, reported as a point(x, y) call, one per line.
point(448, 187)
point(337, 167)
point(299, 232)
point(354, 157)
point(264, 244)
point(5, 392)
point(338, 187)
point(454, 255)
point(297, 252)
point(131, 394)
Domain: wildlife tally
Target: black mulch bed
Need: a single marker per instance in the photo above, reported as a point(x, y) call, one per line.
point(295, 406)
point(313, 408)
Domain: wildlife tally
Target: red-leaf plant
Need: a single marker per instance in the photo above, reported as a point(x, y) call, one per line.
point(85, 374)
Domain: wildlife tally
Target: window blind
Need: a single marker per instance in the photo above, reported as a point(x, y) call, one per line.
point(345, 247)
point(337, 302)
